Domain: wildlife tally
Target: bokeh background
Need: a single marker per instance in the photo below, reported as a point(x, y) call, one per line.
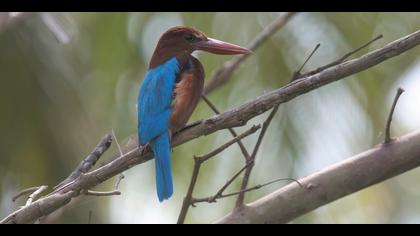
point(69, 78)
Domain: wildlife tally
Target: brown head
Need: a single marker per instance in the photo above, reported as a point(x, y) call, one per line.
point(181, 41)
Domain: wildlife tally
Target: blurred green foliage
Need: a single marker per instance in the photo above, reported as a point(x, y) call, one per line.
point(58, 98)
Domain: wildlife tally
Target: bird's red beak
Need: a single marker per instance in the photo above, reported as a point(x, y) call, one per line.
point(219, 47)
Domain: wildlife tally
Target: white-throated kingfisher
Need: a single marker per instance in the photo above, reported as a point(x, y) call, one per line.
point(170, 92)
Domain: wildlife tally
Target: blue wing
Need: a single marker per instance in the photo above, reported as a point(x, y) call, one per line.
point(154, 110)
point(154, 101)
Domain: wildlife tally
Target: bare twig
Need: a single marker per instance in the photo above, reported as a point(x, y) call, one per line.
point(234, 117)
point(231, 130)
point(35, 194)
point(224, 73)
point(248, 171)
point(297, 73)
point(230, 181)
point(216, 151)
point(101, 193)
point(116, 141)
point(198, 160)
point(24, 192)
point(117, 183)
point(188, 197)
point(219, 193)
point(120, 176)
point(391, 113)
point(107, 193)
point(88, 162)
point(210, 199)
point(341, 59)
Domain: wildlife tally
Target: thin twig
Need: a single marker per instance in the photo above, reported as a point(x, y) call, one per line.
point(120, 176)
point(107, 193)
point(231, 130)
point(222, 189)
point(187, 199)
point(218, 150)
point(35, 194)
point(341, 59)
point(224, 73)
point(102, 194)
point(198, 160)
point(391, 113)
point(88, 162)
point(116, 141)
point(24, 192)
point(297, 73)
point(245, 180)
point(230, 181)
point(117, 183)
point(209, 200)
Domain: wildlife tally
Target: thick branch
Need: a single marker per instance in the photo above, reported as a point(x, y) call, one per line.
point(336, 181)
point(235, 117)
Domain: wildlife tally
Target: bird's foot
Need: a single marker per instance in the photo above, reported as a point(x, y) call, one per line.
point(143, 148)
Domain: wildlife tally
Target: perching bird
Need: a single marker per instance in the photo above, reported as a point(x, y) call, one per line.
point(170, 92)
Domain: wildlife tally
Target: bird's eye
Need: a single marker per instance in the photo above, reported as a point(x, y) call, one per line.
point(190, 38)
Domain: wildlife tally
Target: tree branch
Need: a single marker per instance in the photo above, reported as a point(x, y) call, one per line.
point(237, 116)
point(336, 181)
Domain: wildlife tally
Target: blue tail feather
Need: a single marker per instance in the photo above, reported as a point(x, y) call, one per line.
point(161, 150)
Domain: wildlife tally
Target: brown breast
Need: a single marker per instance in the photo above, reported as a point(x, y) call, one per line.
point(187, 93)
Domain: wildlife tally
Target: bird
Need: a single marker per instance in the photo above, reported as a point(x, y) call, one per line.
point(170, 91)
